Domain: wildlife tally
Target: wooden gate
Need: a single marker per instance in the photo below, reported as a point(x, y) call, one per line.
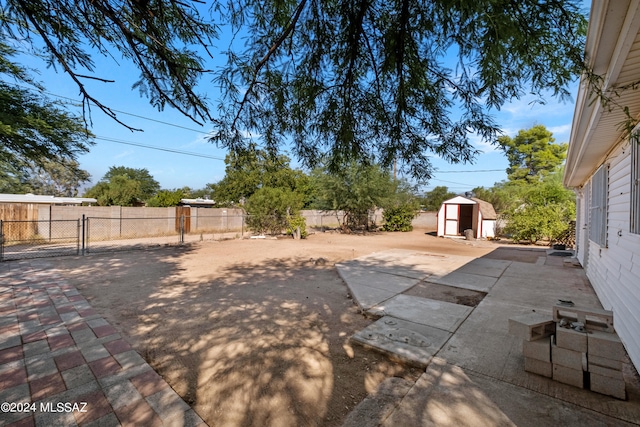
point(186, 211)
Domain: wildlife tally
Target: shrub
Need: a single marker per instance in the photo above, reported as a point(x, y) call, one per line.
point(399, 218)
point(271, 209)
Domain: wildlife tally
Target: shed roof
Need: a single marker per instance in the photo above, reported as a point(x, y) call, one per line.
point(486, 208)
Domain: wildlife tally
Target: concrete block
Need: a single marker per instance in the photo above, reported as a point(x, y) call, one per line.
point(609, 386)
point(532, 326)
point(604, 344)
point(592, 318)
point(539, 367)
point(571, 340)
point(605, 372)
point(569, 358)
point(569, 376)
point(605, 362)
point(539, 349)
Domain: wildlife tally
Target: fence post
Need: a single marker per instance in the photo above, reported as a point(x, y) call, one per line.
point(182, 229)
point(83, 233)
point(1, 240)
point(242, 227)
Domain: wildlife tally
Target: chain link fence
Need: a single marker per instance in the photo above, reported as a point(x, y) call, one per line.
point(90, 234)
point(36, 239)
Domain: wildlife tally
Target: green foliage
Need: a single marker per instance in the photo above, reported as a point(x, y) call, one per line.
point(270, 210)
point(539, 210)
point(39, 140)
point(400, 208)
point(536, 222)
point(123, 186)
point(249, 170)
point(159, 37)
point(532, 154)
point(148, 185)
point(344, 80)
point(59, 177)
point(356, 190)
point(166, 198)
point(120, 190)
point(399, 218)
point(297, 222)
point(33, 129)
point(433, 199)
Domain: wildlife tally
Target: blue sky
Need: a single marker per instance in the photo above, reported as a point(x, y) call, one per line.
point(172, 131)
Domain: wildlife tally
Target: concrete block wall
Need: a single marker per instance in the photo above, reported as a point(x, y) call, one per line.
point(115, 222)
point(591, 359)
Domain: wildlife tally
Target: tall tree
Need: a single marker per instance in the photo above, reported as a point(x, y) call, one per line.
point(148, 185)
point(532, 154)
point(124, 186)
point(356, 190)
point(36, 134)
point(33, 129)
point(434, 198)
point(248, 170)
point(60, 177)
point(348, 80)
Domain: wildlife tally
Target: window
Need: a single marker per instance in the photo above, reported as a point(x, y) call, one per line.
point(598, 208)
point(635, 186)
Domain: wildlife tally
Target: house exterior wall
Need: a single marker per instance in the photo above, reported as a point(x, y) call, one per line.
point(614, 268)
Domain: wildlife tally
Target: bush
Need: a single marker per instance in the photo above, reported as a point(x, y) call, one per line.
point(399, 218)
point(534, 223)
point(271, 210)
point(296, 222)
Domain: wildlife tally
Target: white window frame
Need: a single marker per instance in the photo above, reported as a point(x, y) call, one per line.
point(598, 207)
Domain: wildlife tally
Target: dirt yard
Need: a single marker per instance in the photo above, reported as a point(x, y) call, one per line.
point(251, 332)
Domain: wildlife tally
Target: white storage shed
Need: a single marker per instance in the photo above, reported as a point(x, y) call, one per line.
point(466, 213)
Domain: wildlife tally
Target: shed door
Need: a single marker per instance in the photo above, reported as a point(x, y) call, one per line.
point(450, 220)
point(465, 222)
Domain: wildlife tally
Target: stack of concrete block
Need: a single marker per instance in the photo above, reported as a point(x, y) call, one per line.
point(590, 357)
point(536, 330)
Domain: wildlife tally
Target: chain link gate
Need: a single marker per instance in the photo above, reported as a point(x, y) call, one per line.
point(37, 239)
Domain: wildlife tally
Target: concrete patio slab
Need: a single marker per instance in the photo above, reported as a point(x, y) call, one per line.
point(471, 281)
point(477, 378)
point(359, 276)
point(405, 341)
point(485, 267)
point(438, 314)
point(448, 395)
point(367, 297)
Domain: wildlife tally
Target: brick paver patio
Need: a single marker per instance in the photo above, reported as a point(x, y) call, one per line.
point(61, 363)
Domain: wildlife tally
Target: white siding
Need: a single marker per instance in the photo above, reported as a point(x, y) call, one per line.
point(614, 271)
point(581, 225)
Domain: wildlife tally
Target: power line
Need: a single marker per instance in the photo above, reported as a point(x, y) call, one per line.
point(152, 147)
point(472, 171)
point(75, 103)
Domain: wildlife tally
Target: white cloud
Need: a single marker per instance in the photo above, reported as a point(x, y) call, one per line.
point(123, 154)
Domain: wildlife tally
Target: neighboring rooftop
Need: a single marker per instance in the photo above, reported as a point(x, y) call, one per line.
point(47, 200)
point(197, 202)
